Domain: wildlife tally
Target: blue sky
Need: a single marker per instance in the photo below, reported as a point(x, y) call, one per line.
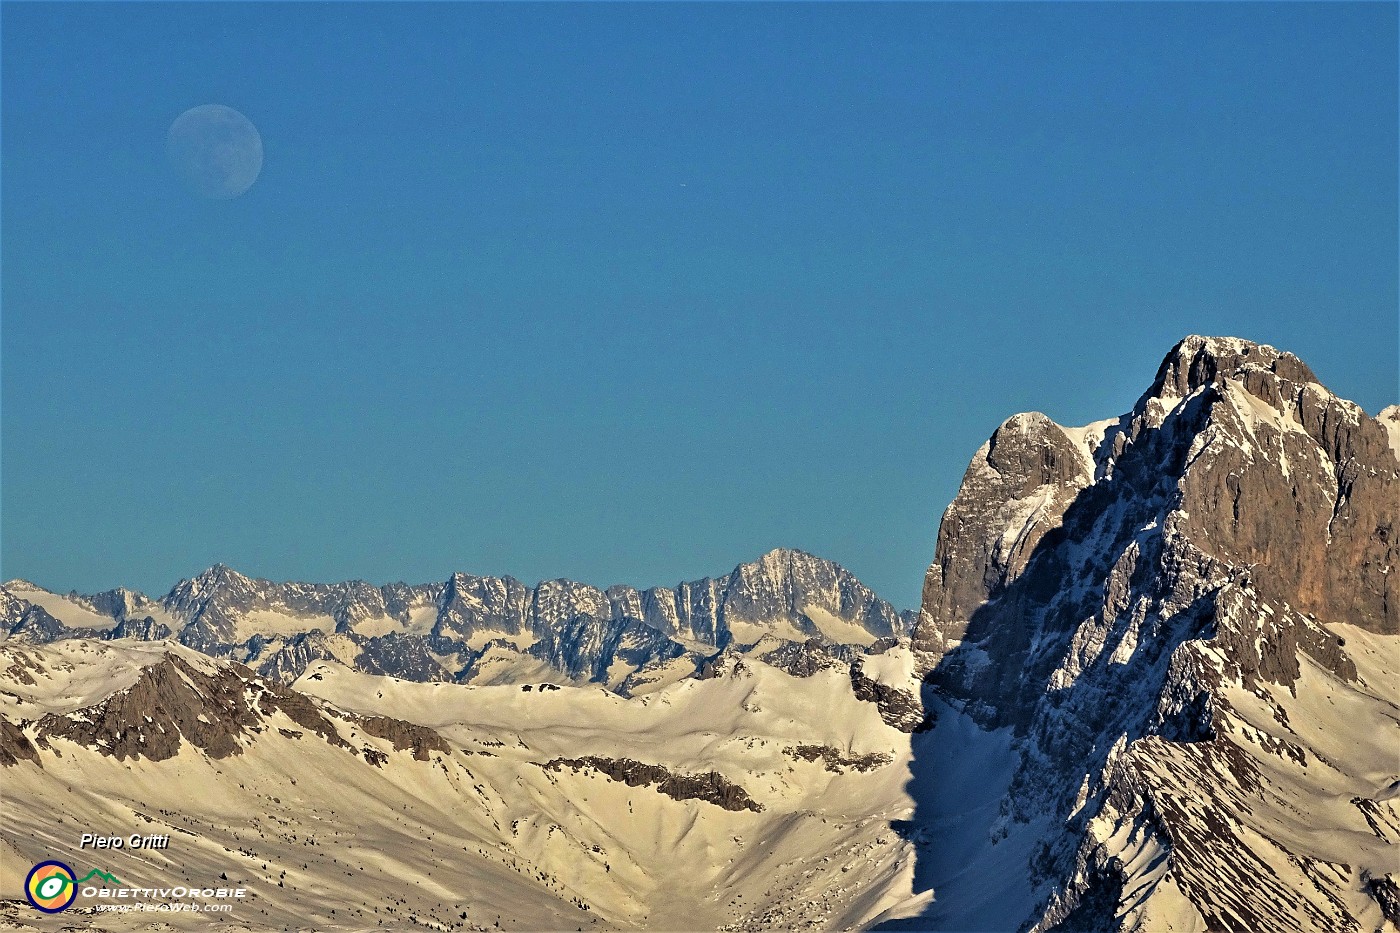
point(632, 293)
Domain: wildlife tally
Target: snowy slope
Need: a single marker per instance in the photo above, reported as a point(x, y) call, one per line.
point(488, 822)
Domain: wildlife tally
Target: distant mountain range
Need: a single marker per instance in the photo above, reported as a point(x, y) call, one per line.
point(482, 630)
point(1152, 687)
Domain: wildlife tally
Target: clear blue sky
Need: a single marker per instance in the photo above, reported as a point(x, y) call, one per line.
point(632, 293)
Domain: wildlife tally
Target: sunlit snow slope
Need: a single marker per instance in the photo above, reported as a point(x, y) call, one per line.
point(746, 800)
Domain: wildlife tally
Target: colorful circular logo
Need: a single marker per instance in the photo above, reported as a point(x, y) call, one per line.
point(51, 887)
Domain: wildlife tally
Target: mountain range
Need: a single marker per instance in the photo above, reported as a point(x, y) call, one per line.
point(1152, 686)
point(472, 629)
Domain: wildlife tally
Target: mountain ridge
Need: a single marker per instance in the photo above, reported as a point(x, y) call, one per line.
point(468, 625)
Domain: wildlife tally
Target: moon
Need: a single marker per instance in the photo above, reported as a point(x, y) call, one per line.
point(216, 150)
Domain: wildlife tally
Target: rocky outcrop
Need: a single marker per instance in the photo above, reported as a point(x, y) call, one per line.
point(218, 708)
point(835, 762)
point(144, 629)
point(284, 659)
point(274, 698)
point(407, 656)
point(803, 659)
point(180, 699)
point(1387, 895)
point(711, 787)
point(406, 736)
point(901, 709)
point(15, 745)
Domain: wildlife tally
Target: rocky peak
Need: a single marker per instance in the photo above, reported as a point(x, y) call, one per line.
point(33, 624)
point(799, 587)
point(1014, 491)
point(1198, 361)
point(220, 708)
point(471, 603)
point(12, 605)
point(121, 603)
point(221, 575)
point(174, 699)
point(1236, 448)
point(1033, 451)
point(1299, 486)
point(1126, 616)
point(783, 563)
point(190, 596)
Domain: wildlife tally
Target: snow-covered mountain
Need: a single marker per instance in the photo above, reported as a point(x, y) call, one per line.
point(476, 629)
point(1154, 685)
point(1171, 638)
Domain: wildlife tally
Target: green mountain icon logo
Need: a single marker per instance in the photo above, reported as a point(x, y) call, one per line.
point(110, 879)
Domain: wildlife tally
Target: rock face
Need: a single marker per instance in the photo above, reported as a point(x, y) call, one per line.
point(15, 745)
point(712, 787)
point(1015, 490)
point(1167, 612)
point(898, 708)
point(471, 626)
point(405, 735)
